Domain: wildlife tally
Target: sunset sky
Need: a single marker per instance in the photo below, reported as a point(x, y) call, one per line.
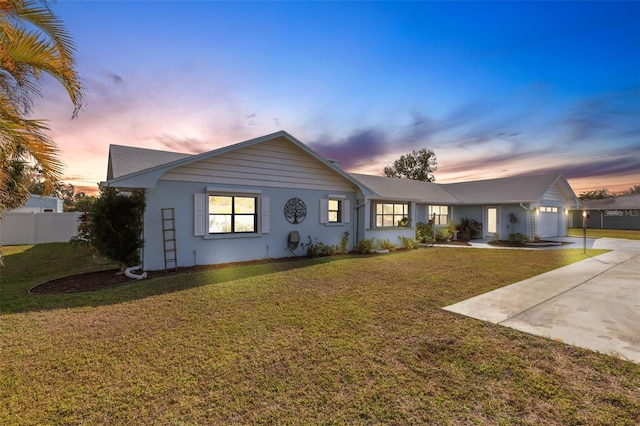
point(495, 89)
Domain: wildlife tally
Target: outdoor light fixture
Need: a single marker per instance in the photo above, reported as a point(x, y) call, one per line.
point(585, 216)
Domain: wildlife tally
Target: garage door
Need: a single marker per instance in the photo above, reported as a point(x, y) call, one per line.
point(547, 221)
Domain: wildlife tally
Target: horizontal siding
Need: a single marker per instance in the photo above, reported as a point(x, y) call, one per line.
point(554, 194)
point(277, 163)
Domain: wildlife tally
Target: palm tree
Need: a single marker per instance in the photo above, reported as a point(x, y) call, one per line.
point(33, 42)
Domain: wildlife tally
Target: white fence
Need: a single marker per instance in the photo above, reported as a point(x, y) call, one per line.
point(38, 228)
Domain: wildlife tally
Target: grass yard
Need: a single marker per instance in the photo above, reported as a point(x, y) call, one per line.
point(628, 234)
point(339, 340)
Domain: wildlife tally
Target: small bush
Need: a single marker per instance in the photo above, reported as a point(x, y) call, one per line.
point(365, 246)
point(424, 233)
point(386, 245)
point(344, 244)
point(443, 234)
point(469, 228)
point(315, 248)
point(409, 243)
point(518, 238)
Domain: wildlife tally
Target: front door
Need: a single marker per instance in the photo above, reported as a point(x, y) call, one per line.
point(492, 222)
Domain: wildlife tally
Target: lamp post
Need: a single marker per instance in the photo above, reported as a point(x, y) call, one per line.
point(585, 217)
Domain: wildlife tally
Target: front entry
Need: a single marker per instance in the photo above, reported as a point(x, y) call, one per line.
point(492, 222)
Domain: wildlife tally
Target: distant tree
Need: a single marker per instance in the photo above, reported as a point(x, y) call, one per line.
point(596, 194)
point(416, 165)
point(632, 191)
point(33, 42)
point(83, 202)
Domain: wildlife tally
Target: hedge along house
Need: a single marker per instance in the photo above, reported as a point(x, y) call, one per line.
point(263, 197)
point(532, 205)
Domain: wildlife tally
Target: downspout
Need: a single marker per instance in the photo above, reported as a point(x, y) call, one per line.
point(532, 220)
point(129, 272)
point(358, 206)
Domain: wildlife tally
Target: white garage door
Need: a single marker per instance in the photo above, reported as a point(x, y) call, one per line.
point(547, 221)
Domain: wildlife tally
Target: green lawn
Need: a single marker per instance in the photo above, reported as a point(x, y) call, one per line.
point(339, 340)
point(609, 233)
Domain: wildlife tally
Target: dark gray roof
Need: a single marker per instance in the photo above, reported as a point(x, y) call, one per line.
point(124, 160)
point(626, 202)
point(515, 189)
point(405, 189)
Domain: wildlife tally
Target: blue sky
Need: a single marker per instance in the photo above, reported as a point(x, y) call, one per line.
point(495, 89)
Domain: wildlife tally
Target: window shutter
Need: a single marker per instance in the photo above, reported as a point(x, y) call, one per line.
point(199, 213)
point(346, 211)
point(264, 215)
point(324, 210)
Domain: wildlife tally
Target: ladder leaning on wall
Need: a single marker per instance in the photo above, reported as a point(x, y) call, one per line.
point(169, 238)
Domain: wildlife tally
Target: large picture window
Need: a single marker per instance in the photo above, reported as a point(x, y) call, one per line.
point(232, 214)
point(391, 214)
point(441, 214)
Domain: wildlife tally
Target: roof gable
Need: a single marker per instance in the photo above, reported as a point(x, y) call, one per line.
point(405, 189)
point(515, 189)
point(125, 160)
point(152, 165)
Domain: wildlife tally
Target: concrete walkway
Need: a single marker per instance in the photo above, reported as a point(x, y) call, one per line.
point(594, 304)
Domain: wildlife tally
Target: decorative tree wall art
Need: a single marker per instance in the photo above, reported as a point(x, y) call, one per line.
point(295, 211)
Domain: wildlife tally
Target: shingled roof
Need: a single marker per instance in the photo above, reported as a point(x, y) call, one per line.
point(405, 189)
point(124, 160)
point(516, 189)
point(627, 202)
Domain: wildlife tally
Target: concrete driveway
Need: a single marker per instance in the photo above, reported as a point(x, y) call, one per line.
point(594, 304)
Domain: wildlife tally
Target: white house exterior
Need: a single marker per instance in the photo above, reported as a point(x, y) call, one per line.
point(244, 201)
point(41, 204)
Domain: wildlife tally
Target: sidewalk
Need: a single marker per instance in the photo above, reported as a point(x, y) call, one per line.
point(594, 303)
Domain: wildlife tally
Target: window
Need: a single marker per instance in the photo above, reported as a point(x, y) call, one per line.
point(335, 211)
point(232, 214)
point(391, 214)
point(549, 209)
point(441, 214)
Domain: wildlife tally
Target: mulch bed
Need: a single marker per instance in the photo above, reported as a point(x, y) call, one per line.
point(99, 280)
point(82, 282)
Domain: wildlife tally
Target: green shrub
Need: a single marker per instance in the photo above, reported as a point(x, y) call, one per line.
point(386, 245)
point(114, 226)
point(409, 243)
point(315, 248)
point(518, 238)
point(365, 246)
point(469, 228)
point(343, 248)
point(424, 233)
point(443, 234)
